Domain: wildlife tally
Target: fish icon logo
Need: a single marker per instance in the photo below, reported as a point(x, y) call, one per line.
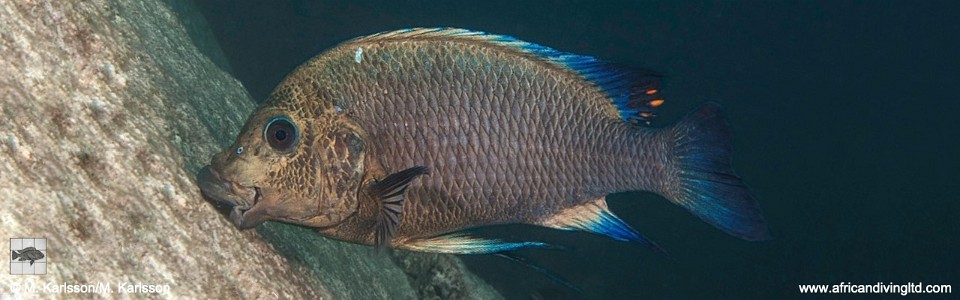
point(28, 256)
point(28, 253)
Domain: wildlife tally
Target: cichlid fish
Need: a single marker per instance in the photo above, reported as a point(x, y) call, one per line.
point(403, 139)
point(28, 253)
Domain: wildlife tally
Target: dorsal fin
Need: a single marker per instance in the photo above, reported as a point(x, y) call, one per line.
point(635, 93)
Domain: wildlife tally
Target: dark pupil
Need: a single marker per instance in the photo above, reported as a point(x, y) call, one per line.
point(281, 135)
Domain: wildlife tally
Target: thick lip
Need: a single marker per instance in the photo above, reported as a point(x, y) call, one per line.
point(231, 199)
point(238, 212)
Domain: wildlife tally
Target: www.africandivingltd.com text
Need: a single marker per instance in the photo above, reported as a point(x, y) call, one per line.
point(876, 288)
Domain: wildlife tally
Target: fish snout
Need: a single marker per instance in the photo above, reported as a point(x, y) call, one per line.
point(232, 200)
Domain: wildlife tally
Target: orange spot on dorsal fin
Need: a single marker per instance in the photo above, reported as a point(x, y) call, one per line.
point(655, 102)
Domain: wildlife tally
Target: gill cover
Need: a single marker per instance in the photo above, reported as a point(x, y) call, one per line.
point(338, 162)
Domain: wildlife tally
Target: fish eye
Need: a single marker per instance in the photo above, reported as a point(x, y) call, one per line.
point(280, 134)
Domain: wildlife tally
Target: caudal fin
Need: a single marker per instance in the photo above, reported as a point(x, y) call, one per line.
point(704, 180)
point(15, 254)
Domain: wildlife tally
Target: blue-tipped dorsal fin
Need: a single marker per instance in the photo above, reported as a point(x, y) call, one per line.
point(457, 243)
point(635, 93)
point(595, 217)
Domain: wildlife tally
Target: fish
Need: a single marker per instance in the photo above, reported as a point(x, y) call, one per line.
point(28, 253)
point(407, 139)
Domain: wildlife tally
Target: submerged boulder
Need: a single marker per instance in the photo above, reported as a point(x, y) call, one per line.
point(108, 110)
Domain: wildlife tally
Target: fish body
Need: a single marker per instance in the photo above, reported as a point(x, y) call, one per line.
point(29, 253)
point(403, 139)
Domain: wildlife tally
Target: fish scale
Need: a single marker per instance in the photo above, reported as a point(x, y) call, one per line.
point(518, 97)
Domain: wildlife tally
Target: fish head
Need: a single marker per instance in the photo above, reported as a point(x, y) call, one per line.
point(288, 165)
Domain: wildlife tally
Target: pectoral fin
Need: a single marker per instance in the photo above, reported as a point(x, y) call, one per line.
point(390, 191)
point(457, 243)
point(594, 216)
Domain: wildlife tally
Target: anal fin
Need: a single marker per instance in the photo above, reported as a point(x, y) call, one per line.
point(594, 216)
point(457, 243)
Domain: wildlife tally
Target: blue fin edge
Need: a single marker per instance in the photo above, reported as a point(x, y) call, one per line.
point(609, 225)
point(595, 217)
point(464, 244)
point(634, 92)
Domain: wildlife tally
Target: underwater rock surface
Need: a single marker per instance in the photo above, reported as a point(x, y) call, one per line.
point(442, 276)
point(108, 110)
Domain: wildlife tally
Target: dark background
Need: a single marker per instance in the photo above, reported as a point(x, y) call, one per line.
point(843, 113)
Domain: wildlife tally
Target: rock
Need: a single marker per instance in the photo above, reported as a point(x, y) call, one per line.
point(108, 110)
point(440, 276)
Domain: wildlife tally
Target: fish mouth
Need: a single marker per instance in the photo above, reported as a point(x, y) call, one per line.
point(231, 199)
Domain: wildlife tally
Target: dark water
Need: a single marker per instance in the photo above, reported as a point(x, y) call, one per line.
point(843, 114)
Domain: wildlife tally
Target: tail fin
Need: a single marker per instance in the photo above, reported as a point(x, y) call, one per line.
point(15, 254)
point(704, 180)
